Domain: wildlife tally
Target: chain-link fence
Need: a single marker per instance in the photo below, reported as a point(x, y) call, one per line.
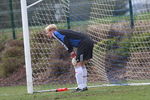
point(10, 19)
point(10, 13)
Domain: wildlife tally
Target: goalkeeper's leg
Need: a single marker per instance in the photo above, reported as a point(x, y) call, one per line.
point(84, 75)
point(84, 54)
point(81, 77)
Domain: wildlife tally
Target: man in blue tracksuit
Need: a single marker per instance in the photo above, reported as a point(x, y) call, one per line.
point(84, 44)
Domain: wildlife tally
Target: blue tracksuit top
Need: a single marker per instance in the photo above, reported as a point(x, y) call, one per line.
point(69, 38)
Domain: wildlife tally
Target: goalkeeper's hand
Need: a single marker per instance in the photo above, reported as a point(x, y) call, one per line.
point(73, 54)
point(74, 61)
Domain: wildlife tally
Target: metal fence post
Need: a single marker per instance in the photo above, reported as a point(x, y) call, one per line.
point(12, 19)
point(131, 14)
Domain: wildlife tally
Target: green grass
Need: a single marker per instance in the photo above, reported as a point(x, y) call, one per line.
point(101, 93)
point(104, 20)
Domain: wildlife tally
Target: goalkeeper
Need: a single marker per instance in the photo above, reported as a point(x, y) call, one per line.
point(72, 39)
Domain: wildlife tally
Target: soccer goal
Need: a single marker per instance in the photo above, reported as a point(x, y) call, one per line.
point(119, 28)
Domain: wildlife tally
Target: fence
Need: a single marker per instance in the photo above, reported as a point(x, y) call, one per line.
point(10, 13)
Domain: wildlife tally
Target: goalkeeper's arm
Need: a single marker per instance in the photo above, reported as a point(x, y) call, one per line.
point(73, 56)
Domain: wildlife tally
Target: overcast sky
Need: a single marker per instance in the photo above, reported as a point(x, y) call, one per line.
point(140, 1)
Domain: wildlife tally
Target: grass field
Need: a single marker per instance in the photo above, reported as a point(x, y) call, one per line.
point(102, 93)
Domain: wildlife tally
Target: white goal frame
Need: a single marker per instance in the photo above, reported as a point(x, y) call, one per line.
point(26, 46)
point(24, 8)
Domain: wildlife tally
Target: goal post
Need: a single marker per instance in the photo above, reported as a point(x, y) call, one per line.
point(119, 28)
point(32, 31)
point(27, 46)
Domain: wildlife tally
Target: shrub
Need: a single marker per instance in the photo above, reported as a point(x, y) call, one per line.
point(117, 51)
point(140, 42)
point(50, 58)
point(15, 43)
point(13, 52)
point(12, 57)
point(105, 45)
point(8, 66)
point(123, 48)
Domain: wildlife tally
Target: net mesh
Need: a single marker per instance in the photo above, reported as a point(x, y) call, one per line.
point(121, 52)
point(121, 33)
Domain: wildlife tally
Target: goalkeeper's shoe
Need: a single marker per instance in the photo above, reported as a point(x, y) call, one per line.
point(80, 90)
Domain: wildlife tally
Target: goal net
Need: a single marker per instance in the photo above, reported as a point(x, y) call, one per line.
point(119, 28)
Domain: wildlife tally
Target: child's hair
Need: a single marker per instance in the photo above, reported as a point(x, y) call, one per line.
point(50, 27)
